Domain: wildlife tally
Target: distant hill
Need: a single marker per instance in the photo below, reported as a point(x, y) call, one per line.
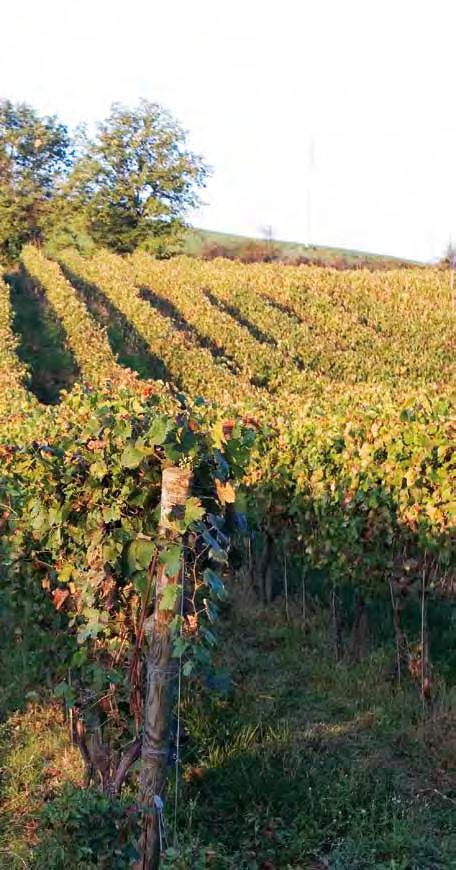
point(207, 243)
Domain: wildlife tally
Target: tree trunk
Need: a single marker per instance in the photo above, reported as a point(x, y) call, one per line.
point(98, 759)
point(160, 666)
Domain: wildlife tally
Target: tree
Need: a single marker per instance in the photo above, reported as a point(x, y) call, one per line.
point(35, 156)
point(137, 179)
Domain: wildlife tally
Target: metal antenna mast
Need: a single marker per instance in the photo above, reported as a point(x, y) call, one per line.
point(309, 189)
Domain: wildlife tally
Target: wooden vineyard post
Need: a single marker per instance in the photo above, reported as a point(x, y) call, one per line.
point(176, 484)
point(359, 631)
point(398, 633)
point(304, 598)
point(336, 625)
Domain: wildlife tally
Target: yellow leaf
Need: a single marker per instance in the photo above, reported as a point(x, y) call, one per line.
point(225, 492)
point(218, 435)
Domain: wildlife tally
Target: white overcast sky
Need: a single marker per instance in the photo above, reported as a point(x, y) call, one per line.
point(372, 83)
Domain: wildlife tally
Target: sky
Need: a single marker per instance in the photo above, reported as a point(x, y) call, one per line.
point(332, 121)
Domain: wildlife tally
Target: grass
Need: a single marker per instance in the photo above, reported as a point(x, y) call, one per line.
point(307, 764)
point(36, 760)
point(291, 762)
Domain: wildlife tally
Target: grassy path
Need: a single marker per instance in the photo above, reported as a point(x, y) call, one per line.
point(291, 762)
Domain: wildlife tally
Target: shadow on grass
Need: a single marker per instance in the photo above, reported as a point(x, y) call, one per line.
point(131, 349)
point(304, 762)
point(34, 642)
point(42, 341)
point(297, 766)
point(294, 804)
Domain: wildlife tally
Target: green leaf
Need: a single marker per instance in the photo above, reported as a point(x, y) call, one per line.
point(218, 555)
point(131, 457)
point(66, 573)
point(179, 647)
point(79, 657)
point(193, 511)
point(111, 551)
point(98, 470)
point(64, 691)
point(171, 559)
point(141, 582)
point(214, 582)
point(144, 551)
point(169, 597)
point(218, 435)
point(140, 554)
point(241, 502)
point(111, 513)
point(188, 668)
point(211, 610)
point(158, 430)
point(172, 452)
point(209, 637)
point(215, 550)
point(91, 630)
point(40, 520)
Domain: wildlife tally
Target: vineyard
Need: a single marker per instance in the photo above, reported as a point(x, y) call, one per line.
point(301, 584)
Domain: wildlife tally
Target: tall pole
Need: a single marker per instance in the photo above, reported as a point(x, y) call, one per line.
point(176, 484)
point(311, 168)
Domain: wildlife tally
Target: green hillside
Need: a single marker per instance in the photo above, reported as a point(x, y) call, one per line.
point(198, 240)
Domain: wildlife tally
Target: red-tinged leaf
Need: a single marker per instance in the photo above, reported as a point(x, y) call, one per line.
point(59, 596)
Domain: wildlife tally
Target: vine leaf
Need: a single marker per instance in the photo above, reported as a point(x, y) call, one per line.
point(158, 430)
point(214, 582)
point(171, 559)
point(59, 597)
point(131, 457)
point(225, 492)
point(140, 554)
point(169, 597)
point(193, 511)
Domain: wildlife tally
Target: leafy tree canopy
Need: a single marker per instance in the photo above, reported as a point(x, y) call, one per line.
point(129, 185)
point(137, 178)
point(35, 157)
